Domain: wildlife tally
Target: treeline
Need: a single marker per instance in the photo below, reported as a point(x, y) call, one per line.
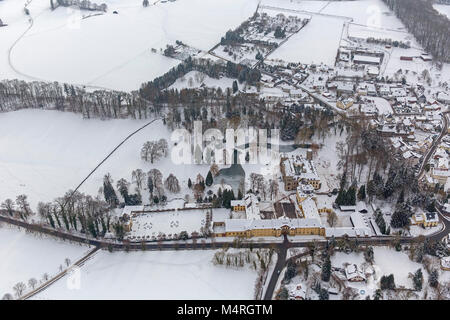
point(104, 104)
point(83, 4)
point(152, 90)
point(431, 29)
point(73, 212)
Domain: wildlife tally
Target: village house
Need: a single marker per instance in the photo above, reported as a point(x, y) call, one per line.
point(353, 273)
point(297, 292)
point(425, 219)
point(345, 104)
point(445, 263)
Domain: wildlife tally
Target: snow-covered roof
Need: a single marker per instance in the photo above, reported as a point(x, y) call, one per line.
point(239, 225)
point(445, 262)
point(368, 59)
point(353, 271)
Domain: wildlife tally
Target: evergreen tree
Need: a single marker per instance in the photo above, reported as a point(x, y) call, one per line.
point(283, 294)
point(209, 179)
point(418, 280)
point(362, 193)
point(235, 86)
point(433, 280)
point(387, 282)
point(189, 183)
point(400, 218)
point(326, 269)
point(368, 255)
point(378, 295)
point(351, 196)
point(109, 192)
point(324, 295)
point(291, 271)
point(401, 197)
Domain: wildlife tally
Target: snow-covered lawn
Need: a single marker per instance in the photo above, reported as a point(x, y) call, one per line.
point(156, 275)
point(382, 105)
point(169, 223)
point(24, 256)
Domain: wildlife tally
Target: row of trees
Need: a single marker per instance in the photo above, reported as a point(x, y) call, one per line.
point(82, 4)
point(104, 104)
point(153, 89)
point(20, 287)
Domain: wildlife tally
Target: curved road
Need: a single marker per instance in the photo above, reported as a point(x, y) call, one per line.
point(434, 146)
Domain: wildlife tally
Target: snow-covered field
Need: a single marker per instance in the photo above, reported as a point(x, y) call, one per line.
point(314, 43)
point(443, 9)
point(364, 32)
point(109, 50)
point(50, 152)
point(156, 275)
point(24, 256)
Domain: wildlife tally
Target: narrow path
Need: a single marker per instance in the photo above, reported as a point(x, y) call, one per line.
point(110, 154)
point(60, 275)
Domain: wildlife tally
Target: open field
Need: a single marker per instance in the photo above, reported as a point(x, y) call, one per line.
point(24, 256)
point(156, 275)
point(110, 50)
point(443, 9)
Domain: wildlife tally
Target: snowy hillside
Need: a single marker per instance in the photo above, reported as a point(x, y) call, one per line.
point(109, 50)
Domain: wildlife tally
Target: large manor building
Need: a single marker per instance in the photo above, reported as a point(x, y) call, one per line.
point(297, 169)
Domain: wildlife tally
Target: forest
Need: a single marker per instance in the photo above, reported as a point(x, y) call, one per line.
point(431, 29)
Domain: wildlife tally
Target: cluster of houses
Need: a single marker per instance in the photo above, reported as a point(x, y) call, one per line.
point(258, 36)
point(368, 61)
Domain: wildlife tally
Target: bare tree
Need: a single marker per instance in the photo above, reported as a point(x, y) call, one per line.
point(32, 283)
point(24, 206)
point(214, 169)
point(8, 296)
point(19, 288)
point(172, 184)
point(332, 219)
point(273, 188)
point(153, 150)
point(138, 176)
point(8, 205)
